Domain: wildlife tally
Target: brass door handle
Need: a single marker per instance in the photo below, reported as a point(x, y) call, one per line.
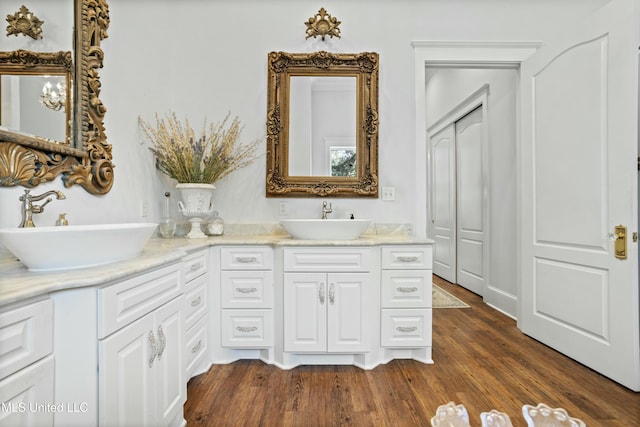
point(619, 237)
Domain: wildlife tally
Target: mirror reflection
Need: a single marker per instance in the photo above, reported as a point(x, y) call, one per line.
point(36, 105)
point(322, 125)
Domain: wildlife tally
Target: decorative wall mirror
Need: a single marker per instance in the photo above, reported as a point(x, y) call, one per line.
point(322, 125)
point(83, 157)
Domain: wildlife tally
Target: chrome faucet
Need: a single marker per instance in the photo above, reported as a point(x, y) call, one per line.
point(326, 210)
point(28, 208)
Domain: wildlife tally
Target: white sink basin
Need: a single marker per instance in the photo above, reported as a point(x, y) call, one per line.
point(76, 246)
point(325, 229)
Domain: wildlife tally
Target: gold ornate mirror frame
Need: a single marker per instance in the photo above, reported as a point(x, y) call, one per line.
point(29, 161)
point(281, 66)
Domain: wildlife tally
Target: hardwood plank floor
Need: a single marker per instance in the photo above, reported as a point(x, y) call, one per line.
point(481, 360)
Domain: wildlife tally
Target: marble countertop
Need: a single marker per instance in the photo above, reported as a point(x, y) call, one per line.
point(17, 283)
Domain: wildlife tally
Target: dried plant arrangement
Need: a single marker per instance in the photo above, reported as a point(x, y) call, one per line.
point(204, 158)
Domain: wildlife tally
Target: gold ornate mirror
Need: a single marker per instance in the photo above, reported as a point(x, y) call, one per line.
point(84, 157)
point(322, 125)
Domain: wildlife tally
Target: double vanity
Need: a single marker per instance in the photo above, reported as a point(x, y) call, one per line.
point(116, 344)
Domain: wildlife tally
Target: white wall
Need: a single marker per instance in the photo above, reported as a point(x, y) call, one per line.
point(445, 90)
point(205, 58)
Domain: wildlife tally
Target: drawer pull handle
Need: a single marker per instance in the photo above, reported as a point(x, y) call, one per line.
point(154, 348)
point(406, 290)
point(406, 329)
point(247, 290)
point(163, 341)
point(197, 347)
point(196, 302)
point(197, 266)
point(332, 294)
point(406, 259)
point(321, 293)
point(247, 328)
point(246, 259)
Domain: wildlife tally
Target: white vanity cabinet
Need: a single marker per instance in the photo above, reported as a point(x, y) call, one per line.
point(26, 364)
point(405, 296)
point(141, 346)
point(196, 299)
point(326, 303)
point(246, 297)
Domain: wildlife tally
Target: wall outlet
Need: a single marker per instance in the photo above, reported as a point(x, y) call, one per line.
point(284, 209)
point(388, 193)
point(144, 208)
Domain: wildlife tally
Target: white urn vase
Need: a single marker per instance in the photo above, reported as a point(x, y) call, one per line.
point(196, 205)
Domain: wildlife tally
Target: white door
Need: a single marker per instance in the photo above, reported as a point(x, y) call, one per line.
point(305, 312)
point(443, 216)
point(171, 388)
point(127, 375)
point(470, 187)
point(346, 319)
point(578, 181)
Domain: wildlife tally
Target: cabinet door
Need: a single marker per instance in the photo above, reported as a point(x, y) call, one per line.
point(346, 312)
point(305, 313)
point(127, 375)
point(171, 387)
point(23, 396)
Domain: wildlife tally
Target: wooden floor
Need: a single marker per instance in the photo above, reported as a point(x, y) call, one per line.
point(481, 360)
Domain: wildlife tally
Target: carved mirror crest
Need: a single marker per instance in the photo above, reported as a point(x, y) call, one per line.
point(85, 160)
point(322, 125)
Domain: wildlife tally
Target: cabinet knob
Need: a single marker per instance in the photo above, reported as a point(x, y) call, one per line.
point(321, 293)
point(246, 290)
point(406, 289)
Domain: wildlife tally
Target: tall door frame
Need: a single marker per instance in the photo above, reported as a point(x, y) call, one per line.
point(478, 99)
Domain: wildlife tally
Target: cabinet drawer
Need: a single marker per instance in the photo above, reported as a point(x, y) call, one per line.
point(405, 289)
point(196, 346)
point(124, 302)
point(405, 328)
point(247, 289)
point(247, 328)
point(195, 299)
point(26, 335)
point(195, 265)
point(246, 258)
point(406, 257)
point(327, 259)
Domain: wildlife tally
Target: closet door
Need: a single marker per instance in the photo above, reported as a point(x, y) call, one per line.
point(470, 187)
point(443, 216)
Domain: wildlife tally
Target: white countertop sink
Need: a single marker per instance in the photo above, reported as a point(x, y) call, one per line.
point(76, 246)
point(325, 229)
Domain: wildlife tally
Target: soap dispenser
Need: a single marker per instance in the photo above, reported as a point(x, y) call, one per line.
point(167, 224)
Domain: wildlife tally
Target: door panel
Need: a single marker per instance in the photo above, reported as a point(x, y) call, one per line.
point(444, 203)
point(578, 181)
point(470, 190)
point(346, 327)
point(305, 313)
